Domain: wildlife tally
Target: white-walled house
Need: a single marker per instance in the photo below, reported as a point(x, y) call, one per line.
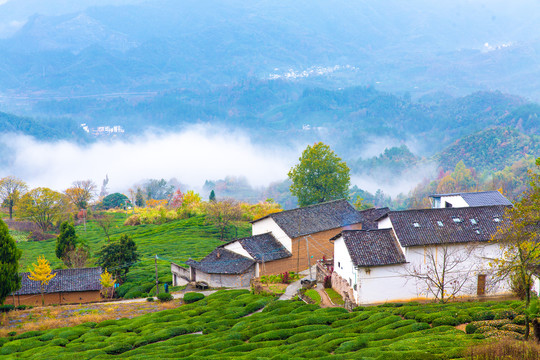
point(467, 199)
point(280, 242)
point(375, 266)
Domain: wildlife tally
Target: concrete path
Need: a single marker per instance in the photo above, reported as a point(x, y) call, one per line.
point(293, 288)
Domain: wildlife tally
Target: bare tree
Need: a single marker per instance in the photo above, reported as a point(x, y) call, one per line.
point(77, 258)
point(105, 221)
point(447, 270)
point(81, 193)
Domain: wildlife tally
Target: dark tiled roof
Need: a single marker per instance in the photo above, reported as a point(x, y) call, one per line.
point(459, 225)
point(315, 218)
point(222, 261)
point(264, 247)
point(66, 280)
point(482, 198)
point(370, 217)
point(373, 247)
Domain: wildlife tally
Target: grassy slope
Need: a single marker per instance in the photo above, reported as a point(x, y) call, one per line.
point(176, 241)
point(284, 330)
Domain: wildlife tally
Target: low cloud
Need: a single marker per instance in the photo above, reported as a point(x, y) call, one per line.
point(192, 156)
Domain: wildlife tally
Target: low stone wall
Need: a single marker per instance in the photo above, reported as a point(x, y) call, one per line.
point(342, 287)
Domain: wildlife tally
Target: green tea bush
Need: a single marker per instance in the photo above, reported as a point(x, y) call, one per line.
point(445, 320)
point(480, 315)
point(164, 297)
point(505, 314)
point(485, 329)
point(513, 327)
point(519, 320)
point(305, 308)
point(464, 319)
point(192, 297)
point(352, 345)
point(134, 295)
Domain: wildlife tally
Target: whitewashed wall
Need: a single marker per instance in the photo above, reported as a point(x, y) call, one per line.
point(236, 247)
point(456, 201)
point(268, 225)
point(343, 264)
point(384, 223)
point(394, 283)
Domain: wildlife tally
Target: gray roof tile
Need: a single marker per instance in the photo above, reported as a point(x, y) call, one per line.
point(446, 225)
point(264, 247)
point(316, 218)
point(373, 247)
point(66, 280)
point(222, 261)
point(481, 198)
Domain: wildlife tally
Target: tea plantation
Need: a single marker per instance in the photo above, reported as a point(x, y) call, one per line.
point(175, 241)
point(225, 325)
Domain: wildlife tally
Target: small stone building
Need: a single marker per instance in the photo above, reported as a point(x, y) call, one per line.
point(69, 286)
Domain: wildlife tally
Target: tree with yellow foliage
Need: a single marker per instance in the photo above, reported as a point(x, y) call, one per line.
point(519, 236)
point(107, 283)
point(42, 272)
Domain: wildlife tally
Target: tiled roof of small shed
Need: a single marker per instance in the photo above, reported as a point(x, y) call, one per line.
point(373, 247)
point(446, 225)
point(66, 280)
point(316, 218)
point(222, 261)
point(370, 217)
point(481, 198)
point(264, 247)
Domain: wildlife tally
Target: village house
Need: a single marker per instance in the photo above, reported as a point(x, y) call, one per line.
point(69, 286)
point(290, 240)
point(463, 199)
point(392, 262)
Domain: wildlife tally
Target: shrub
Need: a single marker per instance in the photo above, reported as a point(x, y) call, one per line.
point(505, 349)
point(6, 308)
point(134, 294)
point(192, 297)
point(164, 297)
point(133, 220)
point(149, 299)
point(327, 282)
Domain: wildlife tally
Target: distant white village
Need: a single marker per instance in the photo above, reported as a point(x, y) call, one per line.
point(103, 130)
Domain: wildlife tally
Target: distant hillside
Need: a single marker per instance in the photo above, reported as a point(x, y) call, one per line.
point(41, 129)
point(418, 46)
point(490, 150)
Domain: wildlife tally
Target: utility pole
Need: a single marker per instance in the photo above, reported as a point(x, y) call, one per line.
point(308, 258)
point(157, 281)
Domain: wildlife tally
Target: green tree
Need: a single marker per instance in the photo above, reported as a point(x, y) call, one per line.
point(519, 237)
point(212, 196)
point(115, 200)
point(222, 214)
point(139, 198)
point(44, 207)
point(320, 176)
point(10, 280)
point(66, 242)
point(11, 189)
point(118, 256)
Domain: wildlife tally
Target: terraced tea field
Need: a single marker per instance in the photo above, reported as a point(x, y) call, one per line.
point(226, 325)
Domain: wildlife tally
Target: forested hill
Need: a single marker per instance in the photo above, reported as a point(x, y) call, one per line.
point(44, 129)
point(490, 150)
